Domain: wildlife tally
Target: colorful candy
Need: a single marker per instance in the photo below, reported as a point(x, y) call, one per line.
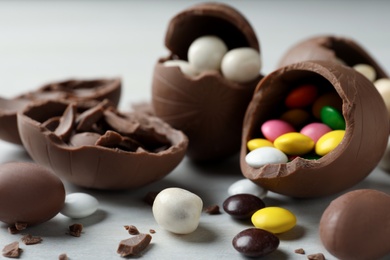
point(333, 118)
point(301, 96)
point(247, 186)
point(294, 143)
point(258, 142)
point(265, 155)
point(296, 117)
point(331, 99)
point(329, 141)
point(242, 206)
point(274, 128)
point(315, 130)
point(274, 219)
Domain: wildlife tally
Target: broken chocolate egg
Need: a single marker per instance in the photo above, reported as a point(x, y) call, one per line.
point(360, 149)
point(208, 108)
point(82, 91)
point(332, 48)
point(29, 194)
point(100, 147)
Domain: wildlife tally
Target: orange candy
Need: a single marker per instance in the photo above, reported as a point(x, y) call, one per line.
point(302, 96)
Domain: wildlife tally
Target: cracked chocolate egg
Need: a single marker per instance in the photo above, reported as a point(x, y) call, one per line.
point(332, 48)
point(100, 147)
point(82, 91)
point(356, 154)
point(29, 194)
point(206, 106)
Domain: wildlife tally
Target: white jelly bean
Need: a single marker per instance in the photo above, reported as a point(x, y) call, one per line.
point(241, 64)
point(177, 210)
point(79, 205)
point(206, 53)
point(382, 83)
point(247, 186)
point(367, 70)
point(265, 155)
point(183, 65)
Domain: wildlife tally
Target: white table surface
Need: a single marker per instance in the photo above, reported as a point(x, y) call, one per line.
point(42, 41)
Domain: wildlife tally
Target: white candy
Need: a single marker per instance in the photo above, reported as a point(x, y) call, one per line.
point(385, 161)
point(241, 65)
point(183, 65)
point(265, 155)
point(206, 53)
point(79, 205)
point(177, 210)
point(367, 70)
point(247, 186)
point(383, 87)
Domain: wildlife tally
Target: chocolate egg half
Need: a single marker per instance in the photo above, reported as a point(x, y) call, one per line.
point(331, 48)
point(82, 91)
point(100, 147)
point(208, 108)
point(351, 161)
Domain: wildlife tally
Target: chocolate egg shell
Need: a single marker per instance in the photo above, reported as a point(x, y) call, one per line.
point(208, 108)
point(351, 161)
point(83, 91)
point(29, 193)
point(131, 150)
point(332, 48)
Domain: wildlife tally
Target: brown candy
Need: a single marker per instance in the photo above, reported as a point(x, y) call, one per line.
point(81, 91)
point(208, 108)
point(118, 151)
point(331, 48)
point(134, 246)
point(351, 161)
point(255, 242)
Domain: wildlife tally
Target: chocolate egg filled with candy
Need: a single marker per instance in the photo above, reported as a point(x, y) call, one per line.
point(196, 96)
point(353, 152)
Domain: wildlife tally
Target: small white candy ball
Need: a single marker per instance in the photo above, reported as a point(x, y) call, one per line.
point(183, 65)
point(247, 186)
point(79, 205)
point(177, 210)
point(241, 64)
point(206, 53)
point(265, 155)
point(367, 70)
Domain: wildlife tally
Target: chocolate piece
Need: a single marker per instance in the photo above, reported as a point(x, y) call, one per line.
point(134, 245)
point(255, 242)
point(63, 257)
point(81, 91)
point(31, 240)
point(354, 225)
point(133, 230)
point(29, 194)
point(363, 144)
point(299, 251)
point(12, 230)
point(208, 108)
point(318, 256)
point(242, 206)
point(75, 229)
point(331, 48)
point(12, 250)
point(66, 123)
point(212, 210)
point(107, 158)
point(152, 231)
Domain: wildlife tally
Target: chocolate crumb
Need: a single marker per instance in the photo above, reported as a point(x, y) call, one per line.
point(150, 196)
point(63, 257)
point(318, 256)
point(20, 226)
point(212, 210)
point(12, 250)
point(31, 240)
point(152, 231)
point(299, 251)
point(132, 229)
point(75, 230)
point(134, 245)
point(12, 230)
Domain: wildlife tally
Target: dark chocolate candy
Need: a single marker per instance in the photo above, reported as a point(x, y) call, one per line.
point(331, 48)
point(29, 194)
point(119, 150)
point(81, 91)
point(255, 242)
point(362, 147)
point(242, 206)
point(208, 108)
point(355, 225)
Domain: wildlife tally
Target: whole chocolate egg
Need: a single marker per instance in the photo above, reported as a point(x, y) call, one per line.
point(208, 108)
point(100, 147)
point(82, 91)
point(29, 193)
point(360, 150)
point(331, 48)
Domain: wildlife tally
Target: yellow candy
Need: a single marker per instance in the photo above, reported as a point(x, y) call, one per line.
point(274, 219)
point(294, 143)
point(329, 141)
point(257, 143)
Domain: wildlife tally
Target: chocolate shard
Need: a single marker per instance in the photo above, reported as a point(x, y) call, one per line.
point(12, 250)
point(31, 240)
point(65, 127)
point(75, 230)
point(134, 245)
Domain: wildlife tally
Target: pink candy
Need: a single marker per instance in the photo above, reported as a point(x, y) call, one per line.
point(315, 130)
point(274, 128)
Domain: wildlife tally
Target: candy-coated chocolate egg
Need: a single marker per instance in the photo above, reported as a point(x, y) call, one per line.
point(315, 130)
point(248, 187)
point(274, 219)
point(301, 96)
point(265, 155)
point(274, 128)
point(257, 143)
point(294, 143)
point(329, 141)
point(79, 205)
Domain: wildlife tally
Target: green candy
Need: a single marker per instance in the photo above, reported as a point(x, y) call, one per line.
point(332, 118)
